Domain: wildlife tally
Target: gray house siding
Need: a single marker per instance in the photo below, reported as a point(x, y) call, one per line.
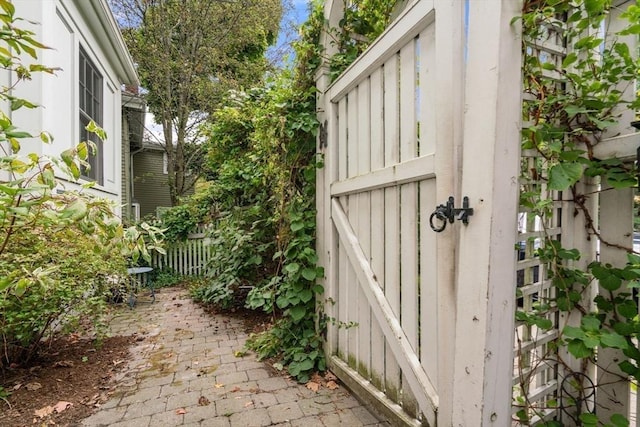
point(133, 115)
point(150, 182)
point(126, 181)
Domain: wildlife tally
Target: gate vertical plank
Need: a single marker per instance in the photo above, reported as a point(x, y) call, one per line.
point(409, 314)
point(408, 195)
point(428, 255)
point(342, 300)
point(377, 222)
point(352, 285)
point(364, 224)
point(392, 217)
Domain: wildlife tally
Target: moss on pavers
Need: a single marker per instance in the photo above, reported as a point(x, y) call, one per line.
point(176, 387)
point(140, 395)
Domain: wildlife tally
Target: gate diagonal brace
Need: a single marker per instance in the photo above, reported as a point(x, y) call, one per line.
point(448, 213)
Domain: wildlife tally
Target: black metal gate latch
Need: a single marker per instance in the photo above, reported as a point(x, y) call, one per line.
point(447, 213)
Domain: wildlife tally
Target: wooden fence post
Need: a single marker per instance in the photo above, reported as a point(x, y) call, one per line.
point(486, 257)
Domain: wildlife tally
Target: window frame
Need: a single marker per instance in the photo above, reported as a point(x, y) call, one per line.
point(91, 107)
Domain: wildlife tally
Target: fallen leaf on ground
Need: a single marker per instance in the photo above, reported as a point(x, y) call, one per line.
point(17, 387)
point(43, 412)
point(219, 385)
point(64, 364)
point(203, 401)
point(181, 411)
point(246, 405)
point(240, 353)
point(235, 389)
point(33, 386)
point(329, 376)
point(61, 406)
point(313, 386)
point(332, 385)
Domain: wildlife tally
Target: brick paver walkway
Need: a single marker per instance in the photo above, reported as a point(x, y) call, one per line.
point(184, 371)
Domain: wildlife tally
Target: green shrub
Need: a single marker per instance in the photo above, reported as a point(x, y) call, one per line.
point(57, 251)
point(165, 278)
point(59, 287)
point(237, 261)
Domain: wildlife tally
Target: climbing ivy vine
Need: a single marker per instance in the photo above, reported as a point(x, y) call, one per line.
point(260, 194)
point(571, 102)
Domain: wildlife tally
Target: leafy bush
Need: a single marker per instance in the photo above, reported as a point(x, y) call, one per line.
point(56, 250)
point(165, 278)
point(60, 285)
point(235, 263)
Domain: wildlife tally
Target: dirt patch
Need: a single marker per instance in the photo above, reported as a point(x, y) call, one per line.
point(65, 385)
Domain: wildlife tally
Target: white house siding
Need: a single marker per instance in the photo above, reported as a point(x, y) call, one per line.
point(66, 26)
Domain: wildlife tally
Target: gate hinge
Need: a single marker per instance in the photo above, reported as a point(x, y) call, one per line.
point(448, 213)
point(323, 135)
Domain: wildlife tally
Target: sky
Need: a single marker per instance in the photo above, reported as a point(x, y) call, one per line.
point(294, 15)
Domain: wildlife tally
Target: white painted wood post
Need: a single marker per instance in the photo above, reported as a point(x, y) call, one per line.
point(326, 248)
point(616, 227)
point(486, 262)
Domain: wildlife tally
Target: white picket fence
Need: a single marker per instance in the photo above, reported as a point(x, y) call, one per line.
point(186, 258)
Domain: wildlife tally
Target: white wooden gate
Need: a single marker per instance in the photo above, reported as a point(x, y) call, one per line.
point(395, 149)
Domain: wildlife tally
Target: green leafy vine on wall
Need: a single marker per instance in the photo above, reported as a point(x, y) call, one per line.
point(570, 104)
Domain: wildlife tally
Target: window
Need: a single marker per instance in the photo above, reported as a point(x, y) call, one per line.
point(91, 109)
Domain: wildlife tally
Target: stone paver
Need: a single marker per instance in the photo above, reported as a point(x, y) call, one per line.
point(184, 372)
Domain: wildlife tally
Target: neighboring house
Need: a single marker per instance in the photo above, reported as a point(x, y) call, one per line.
point(150, 179)
point(94, 63)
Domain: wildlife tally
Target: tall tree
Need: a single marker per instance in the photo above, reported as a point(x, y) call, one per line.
point(189, 54)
